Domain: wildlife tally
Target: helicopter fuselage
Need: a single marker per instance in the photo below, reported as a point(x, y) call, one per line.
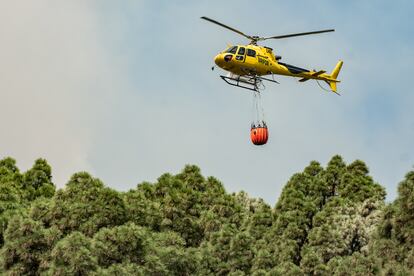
point(252, 62)
point(256, 60)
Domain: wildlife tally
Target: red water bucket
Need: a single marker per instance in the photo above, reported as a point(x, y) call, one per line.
point(259, 135)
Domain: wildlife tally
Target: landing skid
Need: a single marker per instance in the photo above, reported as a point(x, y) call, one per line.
point(249, 82)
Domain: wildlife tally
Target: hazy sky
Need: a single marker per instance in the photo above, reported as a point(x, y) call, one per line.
point(124, 90)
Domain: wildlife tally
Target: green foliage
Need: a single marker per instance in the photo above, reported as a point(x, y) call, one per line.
point(357, 185)
point(141, 208)
point(286, 268)
point(10, 193)
point(324, 213)
point(85, 205)
point(37, 181)
point(18, 190)
point(357, 264)
point(119, 244)
point(394, 241)
point(173, 258)
point(10, 204)
point(327, 221)
point(121, 269)
point(27, 246)
point(72, 255)
point(8, 169)
point(186, 203)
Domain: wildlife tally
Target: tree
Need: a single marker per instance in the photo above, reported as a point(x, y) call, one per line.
point(357, 185)
point(327, 221)
point(121, 269)
point(27, 246)
point(394, 240)
point(10, 193)
point(8, 169)
point(342, 228)
point(38, 181)
point(72, 255)
point(10, 205)
point(85, 205)
point(356, 264)
point(141, 208)
point(324, 213)
point(300, 200)
point(186, 203)
point(216, 253)
point(168, 255)
point(125, 243)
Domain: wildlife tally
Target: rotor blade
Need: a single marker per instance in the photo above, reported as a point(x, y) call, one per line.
point(297, 34)
point(225, 26)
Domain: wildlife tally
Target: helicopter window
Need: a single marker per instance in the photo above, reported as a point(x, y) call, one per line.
point(232, 50)
point(242, 50)
point(251, 53)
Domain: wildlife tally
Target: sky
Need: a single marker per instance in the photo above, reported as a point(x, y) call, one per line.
point(124, 90)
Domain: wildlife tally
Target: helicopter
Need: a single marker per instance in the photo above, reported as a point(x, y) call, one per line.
point(250, 65)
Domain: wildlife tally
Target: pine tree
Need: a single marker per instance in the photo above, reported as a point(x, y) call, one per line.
point(27, 246)
point(11, 198)
point(327, 221)
point(85, 205)
point(37, 181)
point(392, 246)
point(72, 255)
point(125, 243)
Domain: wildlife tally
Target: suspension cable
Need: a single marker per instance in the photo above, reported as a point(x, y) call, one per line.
point(327, 90)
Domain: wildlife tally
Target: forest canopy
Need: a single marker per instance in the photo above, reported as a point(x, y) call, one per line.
point(330, 220)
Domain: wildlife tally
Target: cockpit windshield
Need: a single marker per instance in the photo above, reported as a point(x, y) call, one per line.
point(231, 50)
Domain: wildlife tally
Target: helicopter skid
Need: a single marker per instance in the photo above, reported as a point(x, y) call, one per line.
point(253, 83)
point(250, 83)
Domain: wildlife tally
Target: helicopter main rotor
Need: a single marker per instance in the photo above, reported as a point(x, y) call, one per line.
point(254, 39)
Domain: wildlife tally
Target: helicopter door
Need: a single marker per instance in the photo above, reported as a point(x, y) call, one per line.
point(241, 54)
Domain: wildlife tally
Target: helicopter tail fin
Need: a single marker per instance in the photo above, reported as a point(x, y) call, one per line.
point(335, 71)
point(334, 75)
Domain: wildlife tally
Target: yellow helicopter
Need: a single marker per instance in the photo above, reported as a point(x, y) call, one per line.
point(247, 64)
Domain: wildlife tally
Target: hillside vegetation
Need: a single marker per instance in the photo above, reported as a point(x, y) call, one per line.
point(328, 221)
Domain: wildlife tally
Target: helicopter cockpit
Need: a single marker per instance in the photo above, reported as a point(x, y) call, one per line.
point(241, 51)
point(231, 50)
point(250, 52)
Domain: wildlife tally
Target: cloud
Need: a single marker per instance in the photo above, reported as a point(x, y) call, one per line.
point(54, 75)
point(124, 90)
point(181, 112)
